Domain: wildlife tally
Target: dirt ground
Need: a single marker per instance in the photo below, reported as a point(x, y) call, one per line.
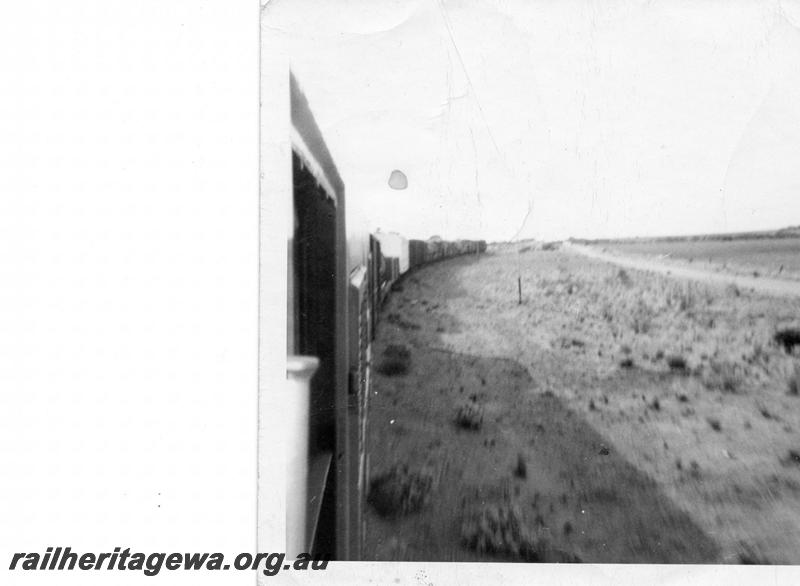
point(627, 416)
point(784, 284)
point(765, 257)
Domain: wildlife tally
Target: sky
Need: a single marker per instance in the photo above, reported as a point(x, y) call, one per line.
point(549, 120)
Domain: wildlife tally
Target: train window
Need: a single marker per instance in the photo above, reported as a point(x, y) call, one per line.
point(314, 323)
point(315, 297)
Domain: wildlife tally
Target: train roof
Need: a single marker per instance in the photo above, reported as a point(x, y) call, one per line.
point(310, 147)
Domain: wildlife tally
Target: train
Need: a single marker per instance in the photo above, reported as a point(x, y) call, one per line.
point(339, 274)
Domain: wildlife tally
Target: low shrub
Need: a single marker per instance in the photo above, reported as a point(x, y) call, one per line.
point(641, 318)
point(724, 376)
point(682, 296)
point(396, 361)
point(788, 338)
point(400, 491)
point(393, 367)
point(677, 363)
point(501, 529)
point(470, 416)
point(765, 413)
point(733, 290)
point(521, 469)
point(749, 556)
point(794, 382)
point(398, 321)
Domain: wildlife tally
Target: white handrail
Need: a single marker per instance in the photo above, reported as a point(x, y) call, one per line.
point(299, 371)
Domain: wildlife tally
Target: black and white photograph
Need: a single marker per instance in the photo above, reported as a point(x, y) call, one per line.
point(543, 279)
point(406, 292)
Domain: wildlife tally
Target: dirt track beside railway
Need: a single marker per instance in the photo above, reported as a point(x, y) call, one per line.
point(603, 451)
point(680, 269)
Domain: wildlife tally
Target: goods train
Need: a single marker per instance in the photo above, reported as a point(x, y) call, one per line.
point(339, 275)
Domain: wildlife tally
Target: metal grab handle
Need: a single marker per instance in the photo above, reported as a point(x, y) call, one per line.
point(299, 371)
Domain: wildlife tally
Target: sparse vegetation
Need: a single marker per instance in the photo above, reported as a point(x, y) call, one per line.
point(765, 413)
point(521, 469)
point(724, 376)
point(733, 290)
point(612, 371)
point(794, 381)
point(502, 529)
point(396, 361)
point(788, 338)
point(792, 458)
point(677, 363)
point(767, 253)
point(682, 296)
point(749, 556)
point(397, 320)
point(400, 491)
point(470, 416)
point(641, 317)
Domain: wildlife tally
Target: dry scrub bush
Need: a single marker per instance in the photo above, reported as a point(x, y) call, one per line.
point(681, 296)
point(677, 363)
point(396, 361)
point(641, 318)
point(393, 367)
point(397, 320)
point(400, 491)
point(788, 338)
point(470, 416)
point(794, 381)
point(749, 556)
point(758, 355)
point(684, 296)
point(501, 529)
point(724, 376)
point(521, 469)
